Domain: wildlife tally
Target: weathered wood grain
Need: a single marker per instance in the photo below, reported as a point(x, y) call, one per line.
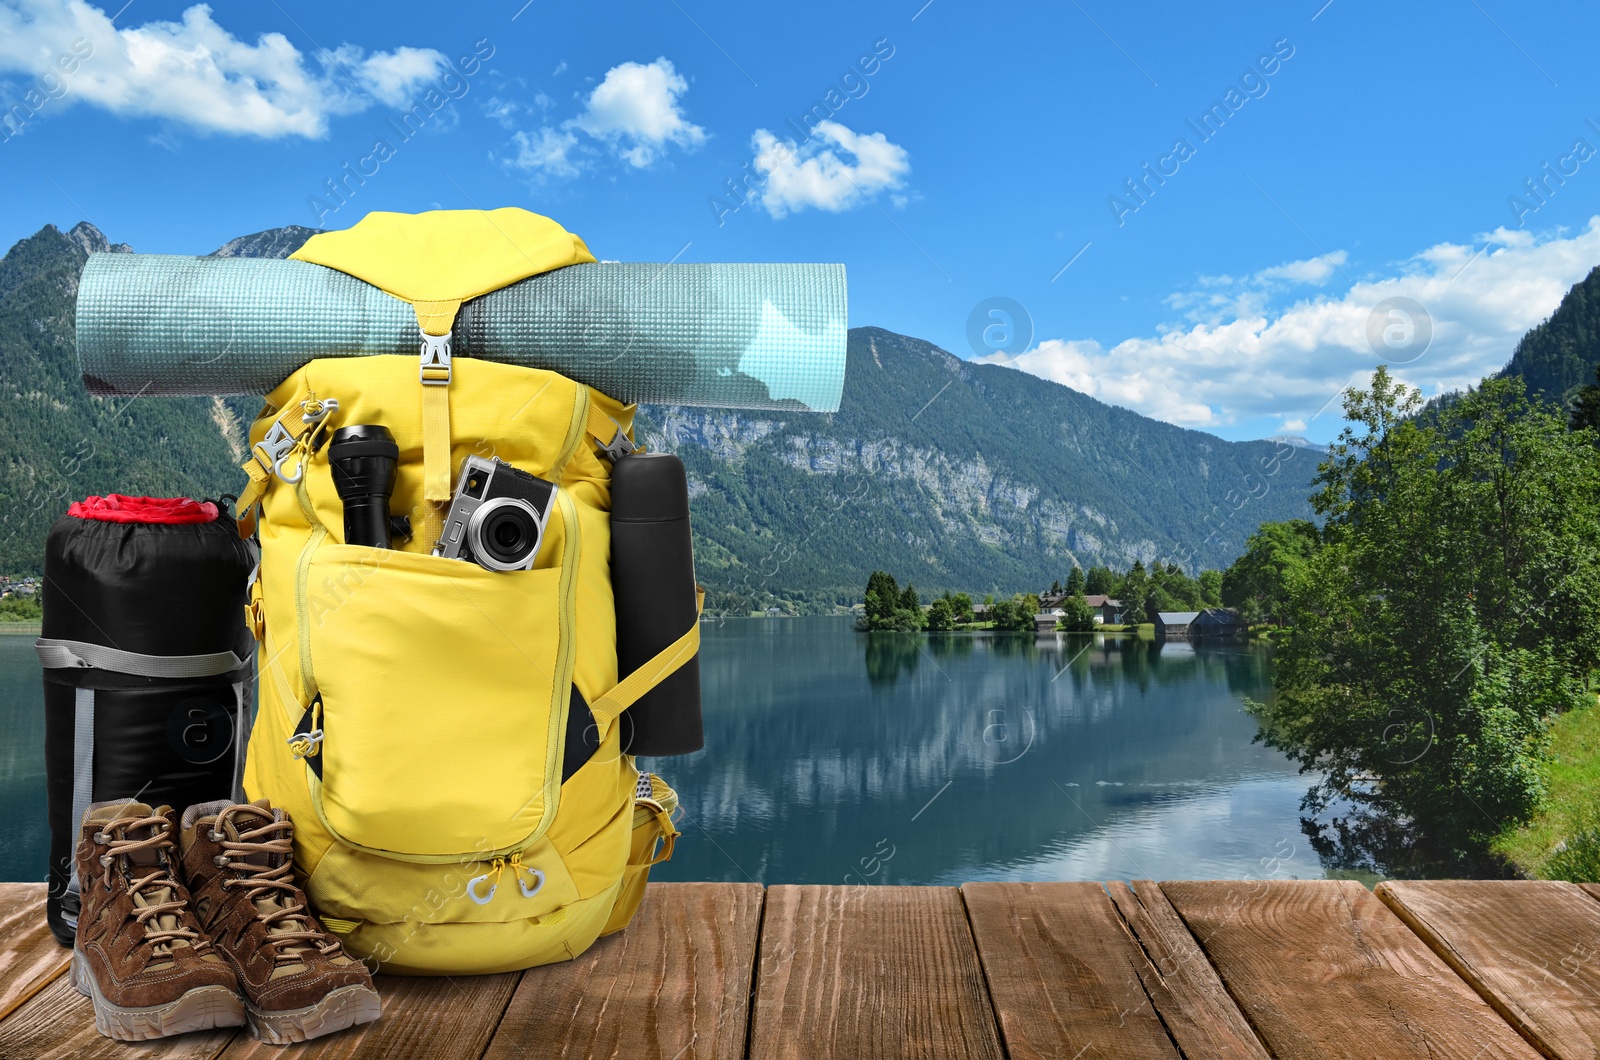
point(1194, 1005)
point(867, 971)
point(1063, 972)
point(1323, 969)
point(441, 1018)
point(1592, 889)
point(30, 956)
point(1531, 948)
point(675, 984)
point(57, 1023)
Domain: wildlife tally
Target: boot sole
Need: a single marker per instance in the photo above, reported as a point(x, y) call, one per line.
point(203, 1008)
point(345, 1007)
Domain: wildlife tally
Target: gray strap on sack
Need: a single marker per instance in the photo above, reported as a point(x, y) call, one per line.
point(81, 655)
point(82, 773)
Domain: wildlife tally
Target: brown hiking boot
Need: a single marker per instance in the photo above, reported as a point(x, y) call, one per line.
point(298, 982)
point(140, 955)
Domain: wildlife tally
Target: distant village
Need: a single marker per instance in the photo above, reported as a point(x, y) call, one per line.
point(1206, 622)
point(1068, 608)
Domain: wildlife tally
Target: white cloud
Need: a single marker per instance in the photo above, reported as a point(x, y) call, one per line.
point(547, 151)
point(635, 112)
point(197, 73)
point(1315, 271)
point(1288, 363)
point(817, 174)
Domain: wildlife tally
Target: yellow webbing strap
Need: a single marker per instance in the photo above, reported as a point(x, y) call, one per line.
point(609, 707)
point(604, 429)
point(435, 318)
point(669, 833)
point(258, 468)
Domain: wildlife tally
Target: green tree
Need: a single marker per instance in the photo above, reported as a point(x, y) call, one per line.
point(1452, 610)
point(1210, 583)
point(888, 608)
point(1134, 591)
point(961, 608)
point(1079, 616)
point(881, 601)
point(941, 617)
point(1257, 584)
point(1586, 406)
point(1075, 582)
point(1100, 581)
point(1016, 614)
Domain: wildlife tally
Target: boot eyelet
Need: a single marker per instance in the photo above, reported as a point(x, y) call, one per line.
point(105, 859)
point(215, 836)
point(220, 861)
point(101, 837)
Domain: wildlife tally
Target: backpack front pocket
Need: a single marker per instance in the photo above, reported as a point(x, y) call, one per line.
point(444, 692)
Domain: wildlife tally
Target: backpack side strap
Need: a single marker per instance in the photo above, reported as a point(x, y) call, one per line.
point(609, 707)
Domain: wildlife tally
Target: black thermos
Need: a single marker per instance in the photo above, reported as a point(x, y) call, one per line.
point(364, 457)
point(652, 575)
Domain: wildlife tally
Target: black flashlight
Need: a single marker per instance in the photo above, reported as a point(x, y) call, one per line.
point(364, 457)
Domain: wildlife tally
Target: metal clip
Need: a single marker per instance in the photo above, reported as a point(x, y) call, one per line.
point(435, 360)
point(619, 446)
point(278, 446)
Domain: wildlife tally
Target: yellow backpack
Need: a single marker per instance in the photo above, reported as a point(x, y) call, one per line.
point(414, 709)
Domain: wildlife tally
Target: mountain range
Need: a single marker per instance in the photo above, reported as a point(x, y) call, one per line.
point(947, 473)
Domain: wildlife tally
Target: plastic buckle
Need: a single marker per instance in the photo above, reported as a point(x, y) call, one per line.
point(316, 411)
point(619, 446)
point(304, 744)
point(435, 369)
point(278, 446)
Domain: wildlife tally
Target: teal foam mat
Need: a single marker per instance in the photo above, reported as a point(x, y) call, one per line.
point(718, 335)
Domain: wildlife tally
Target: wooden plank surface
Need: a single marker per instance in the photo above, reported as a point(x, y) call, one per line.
point(30, 956)
point(1593, 890)
point(1323, 969)
point(1531, 948)
point(441, 1018)
point(1063, 972)
point(675, 984)
point(875, 971)
point(58, 1024)
point(1195, 1007)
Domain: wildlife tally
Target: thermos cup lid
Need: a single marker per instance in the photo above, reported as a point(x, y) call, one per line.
point(649, 488)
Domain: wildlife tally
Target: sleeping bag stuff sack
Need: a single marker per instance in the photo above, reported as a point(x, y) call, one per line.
point(446, 734)
point(147, 665)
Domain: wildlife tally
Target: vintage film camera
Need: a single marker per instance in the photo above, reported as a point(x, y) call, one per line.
point(497, 517)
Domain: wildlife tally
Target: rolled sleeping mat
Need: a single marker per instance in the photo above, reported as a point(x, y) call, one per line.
point(147, 666)
point(718, 335)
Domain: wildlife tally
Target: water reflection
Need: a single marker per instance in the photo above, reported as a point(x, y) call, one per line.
point(979, 756)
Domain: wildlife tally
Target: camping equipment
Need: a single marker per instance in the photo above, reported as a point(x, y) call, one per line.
point(147, 665)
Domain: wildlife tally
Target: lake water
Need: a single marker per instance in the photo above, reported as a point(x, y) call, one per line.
point(833, 756)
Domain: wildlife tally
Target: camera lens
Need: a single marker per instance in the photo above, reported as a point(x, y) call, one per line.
point(504, 534)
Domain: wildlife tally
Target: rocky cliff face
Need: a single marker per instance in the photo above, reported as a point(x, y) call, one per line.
point(273, 243)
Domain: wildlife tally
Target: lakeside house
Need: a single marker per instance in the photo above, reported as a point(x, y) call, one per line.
point(1106, 610)
point(1211, 622)
point(1174, 623)
point(1218, 622)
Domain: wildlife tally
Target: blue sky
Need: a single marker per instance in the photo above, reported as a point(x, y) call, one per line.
point(1360, 195)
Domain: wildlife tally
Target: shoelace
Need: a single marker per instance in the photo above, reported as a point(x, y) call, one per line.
point(287, 926)
point(159, 840)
